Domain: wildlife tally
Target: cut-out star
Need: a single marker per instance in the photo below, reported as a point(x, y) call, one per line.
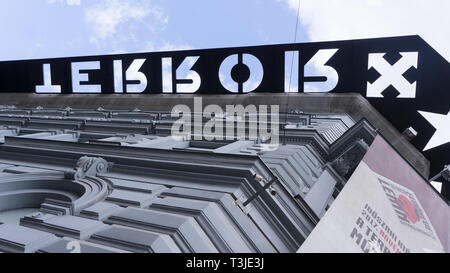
point(442, 125)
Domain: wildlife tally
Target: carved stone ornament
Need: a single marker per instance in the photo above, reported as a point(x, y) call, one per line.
point(88, 166)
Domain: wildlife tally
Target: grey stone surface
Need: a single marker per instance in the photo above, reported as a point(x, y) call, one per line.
point(210, 217)
point(64, 225)
point(351, 103)
point(135, 240)
point(15, 238)
point(185, 231)
point(100, 210)
point(64, 245)
point(136, 186)
point(130, 198)
point(320, 193)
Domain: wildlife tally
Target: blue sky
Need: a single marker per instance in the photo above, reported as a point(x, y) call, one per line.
point(61, 28)
point(43, 28)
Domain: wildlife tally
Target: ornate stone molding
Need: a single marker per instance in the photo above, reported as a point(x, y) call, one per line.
point(88, 166)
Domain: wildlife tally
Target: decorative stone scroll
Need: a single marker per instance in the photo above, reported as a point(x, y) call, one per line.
point(88, 166)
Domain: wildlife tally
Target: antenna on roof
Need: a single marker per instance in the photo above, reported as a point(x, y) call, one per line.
point(290, 75)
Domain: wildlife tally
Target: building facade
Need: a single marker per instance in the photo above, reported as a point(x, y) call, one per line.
point(115, 180)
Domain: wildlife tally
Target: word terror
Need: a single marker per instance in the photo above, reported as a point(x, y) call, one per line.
point(149, 73)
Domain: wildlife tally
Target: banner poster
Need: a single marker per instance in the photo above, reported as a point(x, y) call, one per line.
point(385, 207)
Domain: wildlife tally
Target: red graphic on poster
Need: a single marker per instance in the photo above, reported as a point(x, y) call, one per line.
point(408, 208)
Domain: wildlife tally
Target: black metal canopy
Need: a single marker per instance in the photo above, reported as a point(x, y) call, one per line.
point(400, 76)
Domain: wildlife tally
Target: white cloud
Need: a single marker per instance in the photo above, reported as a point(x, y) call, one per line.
point(150, 46)
point(68, 2)
point(73, 2)
point(353, 19)
point(108, 15)
point(165, 46)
